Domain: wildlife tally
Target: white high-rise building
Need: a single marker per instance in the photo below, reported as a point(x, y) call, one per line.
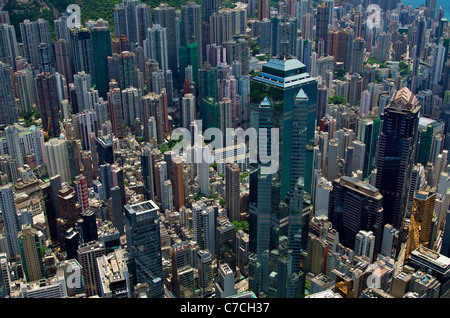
point(359, 149)
point(56, 158)
point(187, 110)
point(365, 244)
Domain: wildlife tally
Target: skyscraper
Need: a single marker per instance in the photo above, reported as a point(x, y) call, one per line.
point(46, 91)
point(88, 254)
point(101, 49)
point(322, 18)
point(8, 110)
point(33, 34)
point(8, 45)
point(10, 218)
point(281, 80)
point(144, 246)
point(165, 17)
point(30, 253)
point(156, 46)
point(232, 196)
point(191, 27)
point(397, 148)
point(355, 206)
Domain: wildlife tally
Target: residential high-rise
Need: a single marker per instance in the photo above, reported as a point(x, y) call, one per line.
point(156, 46)
point(8, 43)
point(68, 206)
point(62, 55)
point(178, 185)
point(32, 35)
point(132, 19)
point(88, 255)
point(232, 195)
point(191, 27)
point(82, 52)
point(365, 244)
point(225, 282)
point(322, 20)
point(165, 17)
point(57, 159)
point(144, 246)
point(47, 102)
point(397, 148)
point(263, 9)
point(10, 218)
point(8, 109)
point(358, 53)
point(30, 253)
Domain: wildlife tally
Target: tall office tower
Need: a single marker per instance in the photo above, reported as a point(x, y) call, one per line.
point(205, 272)
point(88, 254)
point(144, 246)
point(47, 102)
point(232, 195)
point(156, 46)
point(132, 19)
point(365, 244)
point(419, 37)
point(88, 226)
point(165, 17)
point(30, 254)
point(178, 186)
point(82, 82)
point(147, 173)
point(115, 112)
point(421, 220)
point(101, 49)
point(358, 52)
point(81, 191)
point(191, 27)
point(182, 270)
point(68, 206)
point(8, 44)
point(281, 80)
point(431, 6)
point(8, 109)
point(263, 9)
point(438, 64)
point(208, 8)
point(397, 148)
point(322, 18)
point(225, 282)
point(10, 218)
point(62, 54)
point(188, 112)
point(355, 206)
point(82, 53)
point(33, 34)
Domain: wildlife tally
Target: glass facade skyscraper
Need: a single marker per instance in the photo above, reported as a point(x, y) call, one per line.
point(144, 246)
